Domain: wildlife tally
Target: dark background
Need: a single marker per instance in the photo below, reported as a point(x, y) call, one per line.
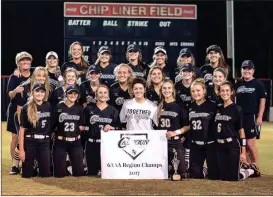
point(37, 27)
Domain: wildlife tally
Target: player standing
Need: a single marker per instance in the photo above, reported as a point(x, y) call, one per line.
point(23, 61)
point(34, 136)
point(68, 116)
point(251, 96)
point(154, 81)
point(139, 113)
point(175, 120)
point(98, 117)
point(203, 147)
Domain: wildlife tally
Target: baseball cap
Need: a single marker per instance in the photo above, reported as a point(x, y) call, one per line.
point(72, 88)
point(213, 48)
point(38, 86)
point(133, 48)
point(185, 52)
point(22, 55)
point(103, 49)
point(93, 68)
point(52, 53)
point(160, 49)
point(187, 66)
point(248, 63)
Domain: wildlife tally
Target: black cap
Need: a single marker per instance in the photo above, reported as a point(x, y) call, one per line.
point(185, 52)
point(38, 86)
point(72, 88)
point(133, 48)
point(104, 49)
point(248, 63)
point(93, 68)
point(187, 66)
point(160, 49)
point(213, 48)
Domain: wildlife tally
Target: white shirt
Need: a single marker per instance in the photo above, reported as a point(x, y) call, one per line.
point(139, 116)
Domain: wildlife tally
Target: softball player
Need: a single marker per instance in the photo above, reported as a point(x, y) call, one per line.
point(175, 120)
point(77, 62)
point(120, 91)
point(251, 96)
point(203, 147)
point(104, 66)
point(160, 59)
point(68, 117)
point(98, 117)
point(230, 135)
point(185, 57)
point(23, 61)
point(134, 57)
point(34, 140)
point(154, 81)
point(89, 87)
point(139, 113)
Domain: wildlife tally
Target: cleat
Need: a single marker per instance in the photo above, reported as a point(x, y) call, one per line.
point(257, 172)
point(245, 165)
point(14, 170)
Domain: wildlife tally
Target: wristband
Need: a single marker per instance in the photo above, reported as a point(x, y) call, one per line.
point(243, 142)
point(178, 132)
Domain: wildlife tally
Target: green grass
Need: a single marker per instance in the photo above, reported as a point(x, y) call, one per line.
point(15, 185)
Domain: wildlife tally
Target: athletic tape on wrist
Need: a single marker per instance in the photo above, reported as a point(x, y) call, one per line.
point(243, 142)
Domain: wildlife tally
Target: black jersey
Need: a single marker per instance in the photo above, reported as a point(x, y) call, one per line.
point(183, 94)
point(118, 96)
point(201, 121)
point(152, 95)
point(248, 95)
point(68, 119)
point(87, 95)
point(228, 122)
point(96, 119)
point(173, 117)
point(107, 74)
point(207, 73)
point(12, 84)
point(71, 64)
point(212, 96)
point(53, 80)
point(43, 126)
point(140, 70)
point(23, 97)
point(57, 96)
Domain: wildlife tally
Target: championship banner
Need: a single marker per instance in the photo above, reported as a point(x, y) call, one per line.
point(134, 155)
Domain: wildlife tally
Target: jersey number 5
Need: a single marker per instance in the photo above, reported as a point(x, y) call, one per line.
point(69, 127)
point(196, 125)
point(219, 127)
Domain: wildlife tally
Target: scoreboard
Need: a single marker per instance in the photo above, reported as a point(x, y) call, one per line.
point(117, 25)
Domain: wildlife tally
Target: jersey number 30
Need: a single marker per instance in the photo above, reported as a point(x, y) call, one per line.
point(196, 125)
point(69, 127)
point(165, 123)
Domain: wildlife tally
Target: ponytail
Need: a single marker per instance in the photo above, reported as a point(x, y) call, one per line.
point(32, 111)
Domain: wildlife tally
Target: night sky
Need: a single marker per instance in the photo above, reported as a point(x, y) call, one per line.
point(37, 27)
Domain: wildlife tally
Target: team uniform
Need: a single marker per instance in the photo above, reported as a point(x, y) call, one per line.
point(203, 145)
point(206, 72)
point(71, 64)
point(67, 139)
point(139, 116)
point(12, 108)
point(248, 95)
point(152, 95)
point(212, 96)
point(95, 119)
point(37, 141)
point(140, 70)
point(53, 80)
point(87, 95)
point(174, 117)
point(228, 122)
point(107, 74)
point(118, 96)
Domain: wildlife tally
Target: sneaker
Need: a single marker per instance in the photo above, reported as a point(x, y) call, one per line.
point(257, 172)
point(245, 165)
point(14, 170)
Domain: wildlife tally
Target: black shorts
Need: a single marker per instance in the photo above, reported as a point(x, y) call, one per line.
point(10, 118)
point(250, 127)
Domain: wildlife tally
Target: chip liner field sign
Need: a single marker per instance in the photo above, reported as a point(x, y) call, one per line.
point(134, 155)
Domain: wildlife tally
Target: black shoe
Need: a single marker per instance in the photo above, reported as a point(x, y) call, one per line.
point(245, 165)
point(257, 172)
point(14, 170)
point(35, 171)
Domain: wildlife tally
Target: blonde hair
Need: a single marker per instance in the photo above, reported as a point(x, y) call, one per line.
point(162, 98)
point(130, 78)
point(102, 86)
point(201, 82)
point(154, 63)
point(33, 80)
point(98, 58)
point(70, 70)
point(139, 57)
point(149, 78)
point(180, 63)
point(32, 114)
point(221, 70)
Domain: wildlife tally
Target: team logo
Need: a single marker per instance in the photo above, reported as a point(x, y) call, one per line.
point(90, 99)
point(119, 101)
point(243, 89)
point(208, 77)
point(133, 144)
point(94, 119)
point(62, 117)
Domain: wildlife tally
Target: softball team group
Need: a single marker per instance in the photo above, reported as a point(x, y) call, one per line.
point(56, 114)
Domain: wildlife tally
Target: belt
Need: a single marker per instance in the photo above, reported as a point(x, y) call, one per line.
point(69, 139)
point(36, 136)
point(174, 138)
point(94, 140)
point(202, 142)
point(222, 141)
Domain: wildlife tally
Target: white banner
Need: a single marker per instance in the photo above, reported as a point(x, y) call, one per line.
point(134, 155)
